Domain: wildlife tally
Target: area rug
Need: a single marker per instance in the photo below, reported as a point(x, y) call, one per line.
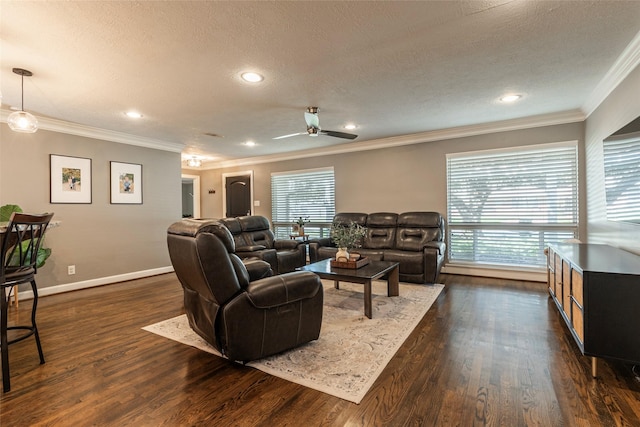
point(352, 349)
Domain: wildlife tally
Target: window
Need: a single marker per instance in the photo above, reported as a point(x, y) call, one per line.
point(307, 193)
point(622, 177)
point(505, 206)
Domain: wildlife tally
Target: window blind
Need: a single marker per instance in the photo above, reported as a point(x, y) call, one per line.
point(305, 193)
point(622, 177)
point(505, 206)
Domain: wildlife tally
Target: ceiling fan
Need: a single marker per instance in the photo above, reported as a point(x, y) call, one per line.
point(313, 127)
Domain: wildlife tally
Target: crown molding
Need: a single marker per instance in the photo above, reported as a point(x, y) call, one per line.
point(565, 117)
point(69, 128)
point(395, 141)
point(625, 64)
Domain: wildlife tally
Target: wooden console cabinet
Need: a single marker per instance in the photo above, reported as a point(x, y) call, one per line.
point(597, 290)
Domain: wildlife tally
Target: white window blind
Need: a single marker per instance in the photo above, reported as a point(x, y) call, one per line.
point(622, 177)
point(505, 206)
point(307, 193)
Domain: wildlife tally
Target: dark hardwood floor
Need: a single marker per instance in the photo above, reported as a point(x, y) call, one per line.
point(489, 352)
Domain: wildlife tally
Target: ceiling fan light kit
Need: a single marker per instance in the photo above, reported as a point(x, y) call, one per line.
point(21, 121)
point(314, 129)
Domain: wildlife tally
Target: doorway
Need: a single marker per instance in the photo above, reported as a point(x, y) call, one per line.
point(190, 196)
point(238, 194)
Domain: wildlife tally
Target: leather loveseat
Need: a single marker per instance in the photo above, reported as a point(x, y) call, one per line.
point(236, 306)
point(413, 239)
point(253, 238)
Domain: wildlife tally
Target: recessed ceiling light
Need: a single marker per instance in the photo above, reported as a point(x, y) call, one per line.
point(252, 77)
point(350, 126)
point(510, 98)
point(133, 114)
point(250, 144)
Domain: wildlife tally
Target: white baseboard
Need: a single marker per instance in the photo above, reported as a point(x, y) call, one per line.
point(57, 289)
point(536, 275)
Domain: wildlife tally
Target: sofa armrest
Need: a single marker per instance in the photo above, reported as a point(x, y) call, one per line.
point(251, 248)
point(283, 289)
point(286, 244)
point(325, 241)
point(315, 244)
point(440, 246)
point(257, 268)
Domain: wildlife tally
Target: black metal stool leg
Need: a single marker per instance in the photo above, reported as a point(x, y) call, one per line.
point(33, 320)
point(4, 343)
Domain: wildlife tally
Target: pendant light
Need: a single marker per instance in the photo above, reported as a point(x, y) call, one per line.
point(21, 121)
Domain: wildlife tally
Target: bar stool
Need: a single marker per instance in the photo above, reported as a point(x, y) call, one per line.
point(20, 245)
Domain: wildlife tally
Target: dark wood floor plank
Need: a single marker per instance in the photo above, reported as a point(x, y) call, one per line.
point(489, 352)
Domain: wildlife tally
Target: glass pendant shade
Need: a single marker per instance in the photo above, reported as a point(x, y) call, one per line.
point(194, 163)
point(21, 121)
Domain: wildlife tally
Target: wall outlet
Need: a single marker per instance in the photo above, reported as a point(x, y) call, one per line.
point(71, 269)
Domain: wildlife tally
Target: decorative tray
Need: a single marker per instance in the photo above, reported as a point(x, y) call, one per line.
point(351, 263)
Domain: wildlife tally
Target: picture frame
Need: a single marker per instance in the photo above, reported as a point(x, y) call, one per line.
point(126, 183)
point(70, 179)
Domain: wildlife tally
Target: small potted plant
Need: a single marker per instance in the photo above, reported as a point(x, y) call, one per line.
point(347, 238)
point(300, 222)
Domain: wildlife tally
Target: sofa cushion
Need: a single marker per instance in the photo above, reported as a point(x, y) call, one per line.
point(236, 231)
point(415, 229)
point(257, 231)
point(381, 230)
point(410, 262)
point(372, 254)
point(349, 217)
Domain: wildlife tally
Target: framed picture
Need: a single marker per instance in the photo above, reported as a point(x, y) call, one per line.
point(70, 180)
point(126, 183)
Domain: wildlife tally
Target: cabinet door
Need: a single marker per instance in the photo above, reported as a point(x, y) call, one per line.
point(566, 288)
point(558, 278)
point(551, 276)
point(577, 304)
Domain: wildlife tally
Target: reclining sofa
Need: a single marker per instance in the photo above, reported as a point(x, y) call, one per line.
point(413, 239)
point(253, 238)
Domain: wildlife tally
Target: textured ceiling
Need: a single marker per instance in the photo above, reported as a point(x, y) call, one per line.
point(393, 68)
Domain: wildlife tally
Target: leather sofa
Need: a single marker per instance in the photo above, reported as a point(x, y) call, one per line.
point(413, 239)
point(253, 238)
point(236, 306)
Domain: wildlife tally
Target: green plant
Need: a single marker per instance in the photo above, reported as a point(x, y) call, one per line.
point(43, 253)
point(348, 236)
point(302, 221)
point(7, 210)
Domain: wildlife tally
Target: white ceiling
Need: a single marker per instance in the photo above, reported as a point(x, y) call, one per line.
point(393, 68)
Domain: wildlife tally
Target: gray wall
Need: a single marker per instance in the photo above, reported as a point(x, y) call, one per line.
point(620, 107)
point(399, 179)
point(100, 239)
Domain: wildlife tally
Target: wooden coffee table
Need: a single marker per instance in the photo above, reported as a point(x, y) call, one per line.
point(364, 275)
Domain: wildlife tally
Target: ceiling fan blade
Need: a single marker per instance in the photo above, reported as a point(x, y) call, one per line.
point(338, 134)
point(290, 135)
point(312, 119)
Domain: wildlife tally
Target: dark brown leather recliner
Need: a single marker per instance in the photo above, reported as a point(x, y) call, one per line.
point(243, 319)
point(253, 238)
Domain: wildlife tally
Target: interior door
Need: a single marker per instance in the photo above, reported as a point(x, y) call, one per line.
point(238, 190)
